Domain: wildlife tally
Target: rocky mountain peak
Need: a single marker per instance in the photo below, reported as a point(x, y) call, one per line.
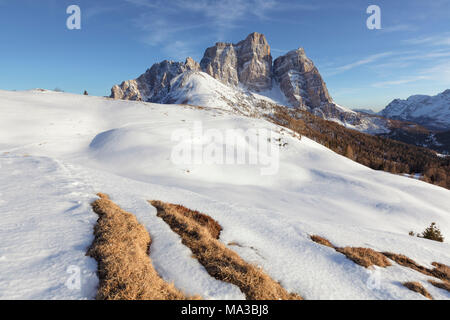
point(300, 80)
point(244, 65)
point(191, 64)
point(255, 40)
point(248, 62)
point(154, 84)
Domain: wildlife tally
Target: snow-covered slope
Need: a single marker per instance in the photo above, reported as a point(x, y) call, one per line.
point(432, 112)
point(57, 150)
point(200, 89)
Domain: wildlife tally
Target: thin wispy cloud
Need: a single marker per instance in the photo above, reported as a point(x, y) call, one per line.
point(223, 13)
point(164, 23)
point(217, 13)
point(94, 11)
point(367, 60)
point(409, 58)
point(440, 72)
point(144, 3)
point(173, 27)
point(159, 30)
point(435, 40)
point(434, 70)
point(390, 83)
point(399, 28)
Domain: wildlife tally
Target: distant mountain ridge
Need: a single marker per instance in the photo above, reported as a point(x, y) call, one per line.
point(432, 112)
point(368, 111)
point(251, 79)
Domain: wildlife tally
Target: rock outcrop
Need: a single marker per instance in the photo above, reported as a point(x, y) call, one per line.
point(154, 84)
point(220, 62)
point(300, 81)
point(248, 62)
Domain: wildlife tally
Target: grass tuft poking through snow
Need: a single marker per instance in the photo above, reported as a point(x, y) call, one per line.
point(440, 271)
point(218, 260)
point(365, 257)
point(417, 287)
point(322, 241)
point(121, 248)
point(445, 285)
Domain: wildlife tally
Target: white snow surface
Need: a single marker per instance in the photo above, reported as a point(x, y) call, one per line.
point(200, 89)
point(57, 150)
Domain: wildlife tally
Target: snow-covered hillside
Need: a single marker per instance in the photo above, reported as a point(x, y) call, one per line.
point(432, 112)
point(200, 89)
point(57, 150)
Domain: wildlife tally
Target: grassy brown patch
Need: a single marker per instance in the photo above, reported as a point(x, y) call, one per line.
point(417, 287)
point(213, 227)
point(365, 257)
point(322, 241)
point(121, 247)
point(200, 233)
point(440, 271)
point(442, 285)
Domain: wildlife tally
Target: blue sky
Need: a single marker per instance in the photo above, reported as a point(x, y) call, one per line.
point(120, 39)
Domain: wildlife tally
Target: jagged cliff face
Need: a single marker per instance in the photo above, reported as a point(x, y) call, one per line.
point(300, 81)
point(221, 63)
point(154, 84)
point(246, 65)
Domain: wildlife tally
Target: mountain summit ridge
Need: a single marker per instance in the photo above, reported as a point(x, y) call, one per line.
point(432, 112)
point(249, 62)
point(250, 74)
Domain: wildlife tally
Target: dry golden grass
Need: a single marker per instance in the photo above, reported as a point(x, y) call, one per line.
point(121, 248)
point(440, 271)
point(213, 227)
point(442, 285)
point(417, 287)
point(200, 233)
point(322, 241)
point(365, 257)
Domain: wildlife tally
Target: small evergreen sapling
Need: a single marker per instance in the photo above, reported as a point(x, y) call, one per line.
point(432, 233)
